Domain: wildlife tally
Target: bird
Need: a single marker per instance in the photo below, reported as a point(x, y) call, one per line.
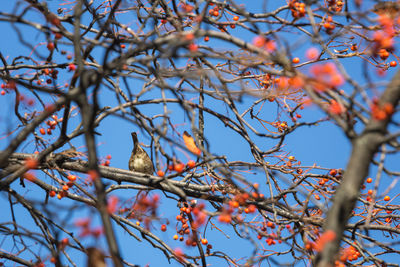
point(140, 160)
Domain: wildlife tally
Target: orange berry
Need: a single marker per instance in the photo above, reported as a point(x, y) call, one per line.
point(163, 228)
point(191, 164)
point(160, 173)
point(42, 131)
point(193, 47)
point(3, 92)
point(31, 163)
point(57, 35)
point(235, 18)
point(29, 176)
point(122, 46)
point(333, 172)
point(93, 175)
point(71, 177)
point(234, 204)
point(179, 167)
point(259, 41)
point(383, 53)
point(312, 53)
point(327, 25)
point(53, 19)
point(317, 197)
point(393, 64)
point(251, 208)
point(206, 38)
point(296, 60)
point(369, 180)
point(204, 241)
point(50, 46)
point(71, 67)
point(65, 187)
point(52, 193)
point(271, 225)
point(386, 198)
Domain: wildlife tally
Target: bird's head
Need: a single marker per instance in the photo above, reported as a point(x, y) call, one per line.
point(134, 137)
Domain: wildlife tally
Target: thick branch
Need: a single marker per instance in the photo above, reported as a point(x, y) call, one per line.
point(364, 148)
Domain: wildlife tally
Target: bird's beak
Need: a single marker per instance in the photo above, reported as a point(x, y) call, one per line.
point(134, 136)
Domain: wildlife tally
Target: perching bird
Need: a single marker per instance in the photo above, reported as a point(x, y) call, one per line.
point(140, 161)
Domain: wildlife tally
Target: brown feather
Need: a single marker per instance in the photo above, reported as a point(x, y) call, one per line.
point(140, 160)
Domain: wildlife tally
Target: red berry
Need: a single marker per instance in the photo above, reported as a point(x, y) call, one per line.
point(31, 163)
point(163, 228)
point(50, 46)
point(191, 164)
point(393, 64)
point(57, 35)
point(179, 167)
point(333, 172)
point(193, 47)
point(160, 173)
point(71, 177)
point(71, 67)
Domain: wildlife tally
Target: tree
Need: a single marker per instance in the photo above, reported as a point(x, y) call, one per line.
point(188, 77)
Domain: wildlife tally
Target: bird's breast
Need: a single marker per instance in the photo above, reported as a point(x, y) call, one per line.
point(138, 163)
